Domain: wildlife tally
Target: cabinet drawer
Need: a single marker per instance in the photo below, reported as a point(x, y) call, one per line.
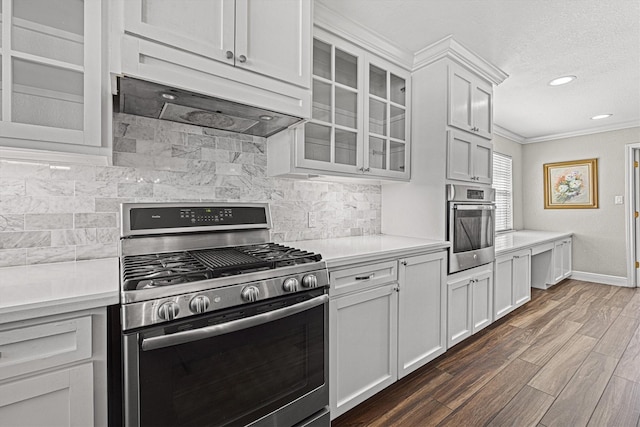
point(33, 348)
point(362, 277)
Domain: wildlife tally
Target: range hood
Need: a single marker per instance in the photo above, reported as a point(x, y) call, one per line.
point(143, 98)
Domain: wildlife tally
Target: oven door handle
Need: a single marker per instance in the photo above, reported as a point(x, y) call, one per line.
point(475, 207)
point(154, 343)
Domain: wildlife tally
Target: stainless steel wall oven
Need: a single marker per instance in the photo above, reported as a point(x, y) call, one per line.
point(217, 327)
point(471, 226)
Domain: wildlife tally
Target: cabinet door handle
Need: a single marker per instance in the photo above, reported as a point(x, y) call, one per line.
point(403, 262)
point(367, 169)
point(370, 276)
point(229, 54)
point(396, 288)
point(242, 58)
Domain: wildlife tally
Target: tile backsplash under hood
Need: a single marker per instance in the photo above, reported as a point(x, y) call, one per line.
point(157, 101)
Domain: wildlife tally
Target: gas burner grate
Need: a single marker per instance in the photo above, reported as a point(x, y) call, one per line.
point(147, 271)
point(280, 255)
point(173, 268)
point(229, 260)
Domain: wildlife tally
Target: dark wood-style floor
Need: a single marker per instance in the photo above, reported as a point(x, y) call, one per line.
point(570, 357)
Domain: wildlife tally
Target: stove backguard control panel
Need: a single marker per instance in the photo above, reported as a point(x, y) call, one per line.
point(179, 217)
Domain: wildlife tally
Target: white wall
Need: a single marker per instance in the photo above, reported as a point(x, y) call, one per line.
point(506, 146)
point(599, 239)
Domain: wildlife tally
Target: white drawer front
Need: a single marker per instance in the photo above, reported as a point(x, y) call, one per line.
point(33, 348)
point(362, 277)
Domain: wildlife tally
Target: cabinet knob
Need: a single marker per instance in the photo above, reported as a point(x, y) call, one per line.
point(367, 169)
point(242, 58)
point(229, 54)
point(403, 262)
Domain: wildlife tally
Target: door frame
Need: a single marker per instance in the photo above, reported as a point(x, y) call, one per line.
point(632, 231)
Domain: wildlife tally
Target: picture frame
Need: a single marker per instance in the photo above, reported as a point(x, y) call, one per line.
point(571, 185)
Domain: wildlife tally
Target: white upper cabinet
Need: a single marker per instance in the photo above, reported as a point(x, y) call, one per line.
point(274, 38)
point(250, 51)
point(469, 158)
point(266, 37)
point(52, 75)
point(360, 117)
point(203, 27)
point(470, 102)
point(387, 125)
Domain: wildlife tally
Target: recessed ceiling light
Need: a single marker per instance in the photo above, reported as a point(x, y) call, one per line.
point(266, 118)
point(562, 80)
point(601, 116)
point(169, 96)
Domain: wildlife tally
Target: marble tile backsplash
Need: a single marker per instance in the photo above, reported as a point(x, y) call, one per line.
point(55, 212)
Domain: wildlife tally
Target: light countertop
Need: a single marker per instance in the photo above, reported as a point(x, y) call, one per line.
point(516, 240)
point(39, 290)
point(343, 251)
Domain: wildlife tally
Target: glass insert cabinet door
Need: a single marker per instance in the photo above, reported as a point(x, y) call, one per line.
point(360, 122)
point(331, 139)
point(386, 126)
point(51, 70)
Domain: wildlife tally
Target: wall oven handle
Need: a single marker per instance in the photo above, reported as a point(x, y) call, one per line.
point(475, 207)
point(154, 343)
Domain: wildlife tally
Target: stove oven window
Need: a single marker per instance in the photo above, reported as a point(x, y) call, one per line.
point(236, 378)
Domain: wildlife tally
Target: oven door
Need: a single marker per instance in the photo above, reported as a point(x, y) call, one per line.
point(471, 231)
point(263, 364)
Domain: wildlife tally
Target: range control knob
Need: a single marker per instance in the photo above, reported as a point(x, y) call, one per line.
point(290, 284)
point(310, 281)
point(199, 304)
point(168, 310)
point(250, 293)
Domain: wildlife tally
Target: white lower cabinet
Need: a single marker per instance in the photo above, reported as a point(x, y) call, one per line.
point(59, 398)
point(363, 346)
point(380, 332)
point(421, 326)
point(469, 303)
point(53, 371)
point(561, 261)
point(512, 286)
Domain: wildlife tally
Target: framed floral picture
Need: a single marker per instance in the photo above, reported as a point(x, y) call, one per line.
point(571, 185)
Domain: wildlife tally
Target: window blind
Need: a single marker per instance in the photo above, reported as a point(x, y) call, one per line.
point(503, 184)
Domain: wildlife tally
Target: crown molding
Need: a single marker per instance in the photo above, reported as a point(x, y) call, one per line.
point(355, 32)
point(583, 132)
point(449, 48)
point(506, 133)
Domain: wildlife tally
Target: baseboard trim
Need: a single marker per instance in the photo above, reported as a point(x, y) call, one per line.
point(600, 278)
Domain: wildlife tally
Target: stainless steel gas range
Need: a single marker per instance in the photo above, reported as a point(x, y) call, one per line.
point(216, 326)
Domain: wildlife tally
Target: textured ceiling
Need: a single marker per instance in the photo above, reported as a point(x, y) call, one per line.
point(533, 41)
